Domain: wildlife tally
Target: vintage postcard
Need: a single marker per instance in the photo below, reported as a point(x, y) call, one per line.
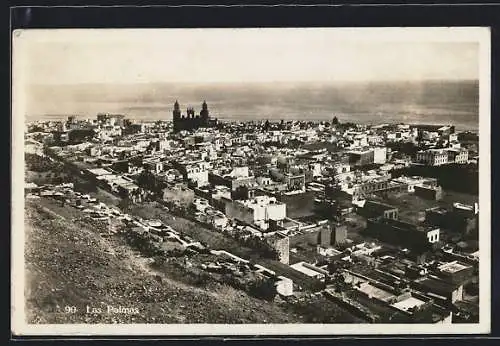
point(284, 181)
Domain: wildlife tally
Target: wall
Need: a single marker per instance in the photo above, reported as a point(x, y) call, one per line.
point(45, 177)
point(201, 177)
point(282, 245)
point(459, 277)
point(457, 294)
point(339, 235)
point(398, 234)
point(307, 237)
point(215, 179)
point(298, 205)
point(235, 183)
point(361, 159)
point(429, 193)
point(296, 182)
point(380, 155)
point(374, 209)
point(325, 237)
point(238, 211)
point(240, 172)
point(275, 211)
point(433, 236)
point(451, 222)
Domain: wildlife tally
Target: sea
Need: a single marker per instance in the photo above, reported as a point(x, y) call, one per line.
point(428, 102)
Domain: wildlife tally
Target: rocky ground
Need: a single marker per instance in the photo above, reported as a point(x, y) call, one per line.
point(72, 272)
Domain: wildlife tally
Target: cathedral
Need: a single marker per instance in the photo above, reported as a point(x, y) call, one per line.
point(189, 121)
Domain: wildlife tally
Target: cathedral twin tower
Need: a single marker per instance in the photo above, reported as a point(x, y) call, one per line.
point(189, 121)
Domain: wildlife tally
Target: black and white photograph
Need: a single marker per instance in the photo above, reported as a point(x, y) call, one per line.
point(267, 181)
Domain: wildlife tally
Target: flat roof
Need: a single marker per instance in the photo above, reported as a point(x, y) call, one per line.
point(437, 285)
point(99, 171)
point(452, 267)
point(462, 206)
point(359, 152)
point(407, 304)
point(301, 268)
point(384, 206)
point(376, 292)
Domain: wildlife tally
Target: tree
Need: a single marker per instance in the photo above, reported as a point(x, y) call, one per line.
point(263, 288)
point(124, 204)
point(335, 120)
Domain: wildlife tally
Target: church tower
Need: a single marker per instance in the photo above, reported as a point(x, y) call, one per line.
point(177, 110)
point(177, 116)
point(204, 114)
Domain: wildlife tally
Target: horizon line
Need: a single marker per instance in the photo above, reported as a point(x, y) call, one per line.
point(426, 80)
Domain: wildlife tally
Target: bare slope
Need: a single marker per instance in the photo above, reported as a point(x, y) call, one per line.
point(68, 264)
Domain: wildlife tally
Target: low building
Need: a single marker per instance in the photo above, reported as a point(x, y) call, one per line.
point(434, 193)
point(380, 155)
point(153, 165)
point(373, 209)
point(455, 272)
point(464, 210)
point(361, 158)
point(319, 234)
point(378, 186)
point(295, 181)
point(195, 171)
point(256, 210)
point(451, 220)
point(432, 157)
point(411, 182)
point(458, 155)
point(401, 233)
point(310, 270)
point(310, 234)
point(439, 289)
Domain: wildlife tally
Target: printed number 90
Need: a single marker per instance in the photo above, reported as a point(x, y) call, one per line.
point(70, 309)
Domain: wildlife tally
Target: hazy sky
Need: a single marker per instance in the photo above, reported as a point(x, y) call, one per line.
point(244, 55)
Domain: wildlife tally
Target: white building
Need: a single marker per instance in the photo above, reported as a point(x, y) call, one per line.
point(310, 270)
point(433, 157)
point(200, 204)
point(341, 168)
point(240, 172)
point(284, 286)
point(256, 210)
point(197, 174)
point(433, 235)
point(412, 181)
point(380, 155)
point(426, 135)
point(458, 155)
point(154, 165)
point(315, 169)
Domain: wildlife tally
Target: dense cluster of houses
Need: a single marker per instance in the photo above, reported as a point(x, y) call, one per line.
point(256, 180)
